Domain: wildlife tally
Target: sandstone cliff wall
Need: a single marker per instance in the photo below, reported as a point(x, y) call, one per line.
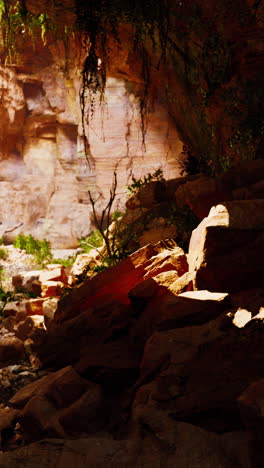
point(44, 173)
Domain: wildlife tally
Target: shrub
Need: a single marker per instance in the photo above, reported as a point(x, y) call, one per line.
point(5, 296)
point(3, 254)
point(66, 262)
point(39, 248)
point(137, 184)
point(93, 241)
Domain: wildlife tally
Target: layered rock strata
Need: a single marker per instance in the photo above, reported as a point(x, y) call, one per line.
point(44, 172)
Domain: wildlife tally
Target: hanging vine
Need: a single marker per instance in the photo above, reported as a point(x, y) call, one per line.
point(18, 24)
point(98, 20)
point(178, 33)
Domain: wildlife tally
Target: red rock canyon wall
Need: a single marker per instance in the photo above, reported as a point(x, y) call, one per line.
point(44, 174)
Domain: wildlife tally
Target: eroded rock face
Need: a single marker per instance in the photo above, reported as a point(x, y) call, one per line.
point(44, 173)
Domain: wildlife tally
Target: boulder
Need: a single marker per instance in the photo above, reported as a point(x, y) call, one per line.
point(99, 342)
point(25, 329)
point(49, 309)
point(82, 262)
point(115, 283)
point(7, 418)
point(251, 401)
point(27, 281)
point(241, 317)
point(144, 291)
point(9, 323)
point(12, 308)
point(169, 311)
point(197, 373)
point(58, 404)
point(180, 344)
point(155, 234)
point(227, 249)
point(52, 288)
point(251, 404)
point(100, 308)
point(53, 272)
point(152, 193)
point(217, 375)
point(168, 260)
point(35, 306)
point(159, 285)
point(11, 350)
point(200, 194)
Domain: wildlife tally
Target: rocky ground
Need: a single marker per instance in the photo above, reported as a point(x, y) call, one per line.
point(157, 361)
point(16, 260)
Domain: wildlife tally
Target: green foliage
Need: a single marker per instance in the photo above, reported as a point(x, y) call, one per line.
point(138, 184)
point(175, 33)
point(18, 24)
point(2, 9)
point(99, 23)
point(3, 254)
point(39, 248)
point(66, 262)
point(93, 241)
point(116, 215)
point(5, 296)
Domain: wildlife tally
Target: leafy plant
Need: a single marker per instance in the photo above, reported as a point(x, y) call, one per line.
point(137, 184)
point(5, 296)
point(18, 22)
point(116, 215)
point(66, 262)
point(3, 254)
point(39, 248)
point(93, 241)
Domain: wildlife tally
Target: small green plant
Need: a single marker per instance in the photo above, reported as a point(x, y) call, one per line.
point(116, 215)
point(5, 296)
point(137, 184)
point(224, 163)
point(3, 254)
point(93, 241)
point(39, 248)
point(66, 262)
